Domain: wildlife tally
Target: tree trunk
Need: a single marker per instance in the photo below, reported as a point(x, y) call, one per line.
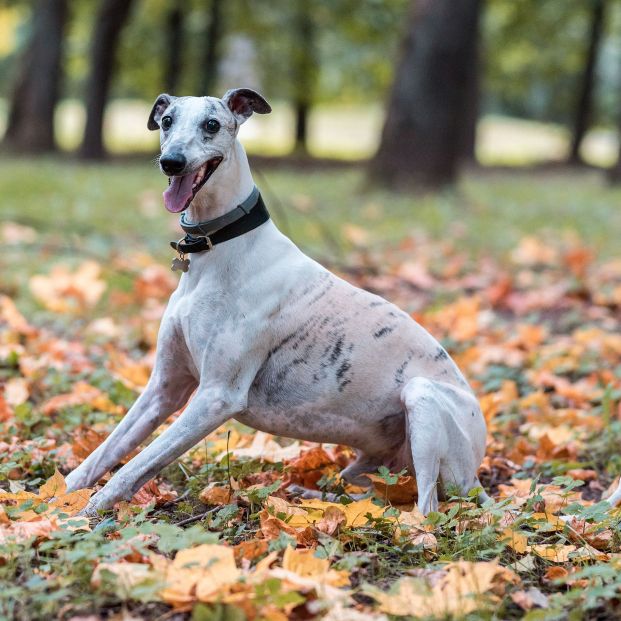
point(111, 17)
point(471, 104)
point(304, 73)
point(584, 105)
point(30, 127)
point(211, 56)
point(423, 136)
point(614, 173)
point(174, 48)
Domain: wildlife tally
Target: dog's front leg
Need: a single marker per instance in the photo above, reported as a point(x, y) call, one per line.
point(159, 400)
point(208, 409)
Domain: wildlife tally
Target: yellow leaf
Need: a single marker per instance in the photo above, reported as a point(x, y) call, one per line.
point(457, 590)
point(557, 553)
point(199, 572)
point(550, 521)
point(294, 515)
point(73, 502)
point(355, 512)
point(304, 563)
point(18, 496)
point(126, 575)
point(517, 541)
point(54, 486)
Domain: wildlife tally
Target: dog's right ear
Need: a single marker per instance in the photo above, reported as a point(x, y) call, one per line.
point(162, 102)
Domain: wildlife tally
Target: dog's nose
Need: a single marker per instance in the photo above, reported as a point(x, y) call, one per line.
point(172, 163)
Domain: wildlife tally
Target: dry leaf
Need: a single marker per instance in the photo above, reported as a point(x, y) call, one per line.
point(63, 291)
point(215, 494)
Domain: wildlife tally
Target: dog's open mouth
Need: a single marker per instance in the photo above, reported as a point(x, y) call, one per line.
point(183, 189)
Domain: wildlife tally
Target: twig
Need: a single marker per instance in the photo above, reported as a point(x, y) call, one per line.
point(228, 462)
point(196, 518)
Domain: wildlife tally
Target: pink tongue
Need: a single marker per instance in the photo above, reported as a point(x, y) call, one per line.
point(178, 193)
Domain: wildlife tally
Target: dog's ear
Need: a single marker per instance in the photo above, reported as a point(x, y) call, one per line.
point(162, 102)
point(243, 102)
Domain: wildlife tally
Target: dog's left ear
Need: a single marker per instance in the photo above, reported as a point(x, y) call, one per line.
point(162, 102)
point(242, 102)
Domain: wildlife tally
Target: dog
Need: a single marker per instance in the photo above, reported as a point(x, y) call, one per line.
point(258, 332)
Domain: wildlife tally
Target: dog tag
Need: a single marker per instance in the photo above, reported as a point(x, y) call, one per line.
point(180, 265)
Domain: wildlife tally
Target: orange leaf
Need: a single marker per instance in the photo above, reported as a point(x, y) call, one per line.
point(403, 492)
point(216, 495)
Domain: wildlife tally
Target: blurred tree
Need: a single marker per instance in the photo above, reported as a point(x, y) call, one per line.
point(584, 104)
point(534, 58)
point(304, 69)
point(173, 52)
point(30, 126)
point(111, 17)
point(423, 136)
point(350, 45)
point(208, 75)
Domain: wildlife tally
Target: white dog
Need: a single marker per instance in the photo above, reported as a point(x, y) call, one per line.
point(267, 336)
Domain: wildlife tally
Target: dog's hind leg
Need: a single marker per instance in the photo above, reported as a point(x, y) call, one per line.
point(615, 498)
point(447, 438)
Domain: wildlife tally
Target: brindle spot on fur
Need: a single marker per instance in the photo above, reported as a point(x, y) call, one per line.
point(282, 344)
point(383, 331)
point(401, 369)
point(343, 369)
point(337, 350)
point(340, 374)
point(322, 293)
point(440, 355)
point(313, 285)
point(325, 322)
point(302, 338)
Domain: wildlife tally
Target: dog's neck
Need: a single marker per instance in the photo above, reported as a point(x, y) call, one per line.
point(229, 186)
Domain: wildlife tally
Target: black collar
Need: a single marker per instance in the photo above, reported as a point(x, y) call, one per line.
point(205, 235)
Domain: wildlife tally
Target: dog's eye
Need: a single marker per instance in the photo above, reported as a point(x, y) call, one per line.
point(212, 126)
point(166, 122)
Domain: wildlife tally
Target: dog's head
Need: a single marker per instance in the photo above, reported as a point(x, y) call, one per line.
point(196, 135)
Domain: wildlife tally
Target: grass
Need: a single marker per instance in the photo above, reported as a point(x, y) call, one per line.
point(95, 206)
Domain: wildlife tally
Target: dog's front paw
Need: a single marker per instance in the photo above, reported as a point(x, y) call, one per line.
point(75, 481)
point(97, 503)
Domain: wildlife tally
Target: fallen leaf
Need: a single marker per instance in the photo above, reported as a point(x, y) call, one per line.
point(215, 494)
point(529, 599)
point(54, 486)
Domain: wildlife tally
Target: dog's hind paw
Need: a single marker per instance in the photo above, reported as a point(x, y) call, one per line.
point(311, 494)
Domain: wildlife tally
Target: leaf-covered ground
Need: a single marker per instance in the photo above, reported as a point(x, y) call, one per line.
point(217, 536)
